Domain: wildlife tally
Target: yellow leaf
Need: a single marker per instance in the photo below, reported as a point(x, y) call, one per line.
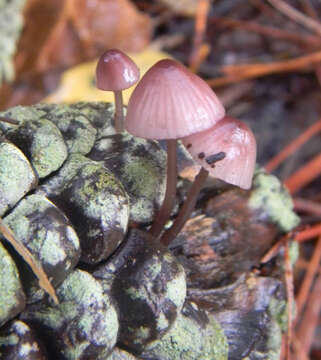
point(78, 83)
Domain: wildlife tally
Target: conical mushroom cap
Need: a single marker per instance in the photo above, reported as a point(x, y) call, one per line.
point(171, 102)
point(227, 150)
point(116, 71)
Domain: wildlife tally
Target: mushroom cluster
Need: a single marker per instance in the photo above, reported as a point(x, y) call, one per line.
point(171, 103)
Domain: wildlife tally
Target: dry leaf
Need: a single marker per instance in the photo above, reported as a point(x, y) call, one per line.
point(64, 33)
point(184, 7)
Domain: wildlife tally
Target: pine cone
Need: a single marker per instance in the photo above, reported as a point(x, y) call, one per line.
point(81, 198)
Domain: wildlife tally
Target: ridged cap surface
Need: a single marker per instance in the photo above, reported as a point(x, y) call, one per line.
point(227, 150)
point(171, 102)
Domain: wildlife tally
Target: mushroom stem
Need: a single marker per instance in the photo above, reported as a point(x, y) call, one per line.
point(170, 194)
point(119, 115)
point(186, 209)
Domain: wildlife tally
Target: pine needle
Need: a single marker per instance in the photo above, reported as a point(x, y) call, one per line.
point(44, 282)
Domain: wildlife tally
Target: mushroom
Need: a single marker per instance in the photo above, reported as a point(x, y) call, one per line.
point(171, 102)
point(116, 72)
point(227, 151)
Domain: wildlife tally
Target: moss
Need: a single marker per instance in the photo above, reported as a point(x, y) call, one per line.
point(269, 195)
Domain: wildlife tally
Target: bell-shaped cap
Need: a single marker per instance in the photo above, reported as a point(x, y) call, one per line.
point(171, 102)
point(227, 150)
point(116, 71)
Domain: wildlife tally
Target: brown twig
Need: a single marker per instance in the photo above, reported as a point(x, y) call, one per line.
point(290, 296)
point(304, 175)
point(280, 34)
point(236, 73)
point(264, 8)
point(196, 57)
point(233, 93)
point(296, 15)
point(28, 258)
point(312, 269)
point(308, 206)
point(293, 146)
point(309, 9)
point(299, 351)
point(305, 331)
point(303, 264)
point(308, 233)
point(274, 250)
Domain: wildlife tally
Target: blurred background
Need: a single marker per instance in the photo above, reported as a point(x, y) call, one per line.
point(262, 58)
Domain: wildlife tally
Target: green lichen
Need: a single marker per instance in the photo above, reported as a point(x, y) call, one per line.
point(11, 295)
point(11, 22)
point(100, 114)
point(176, 288)
point(140, 165)
point(144, 183)
point(46, 232)
point(102, 196)
point(78, 132)
point(143, 176)
point(41, 141)
point(13, 184)
point(119, 354)
point(274, 341)
point(83, 304)
point(269, 195)
point(294, 252)
point(102, 180)
point(187, 341)
point(20, 114)
point(278, 312)
point(10, 340)
point(48, 149)
point(46, 241)
point(56, 184)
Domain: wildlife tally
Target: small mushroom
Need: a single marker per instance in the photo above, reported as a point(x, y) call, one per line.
point(227, 151)
point(171, 102)
point(116, 72)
